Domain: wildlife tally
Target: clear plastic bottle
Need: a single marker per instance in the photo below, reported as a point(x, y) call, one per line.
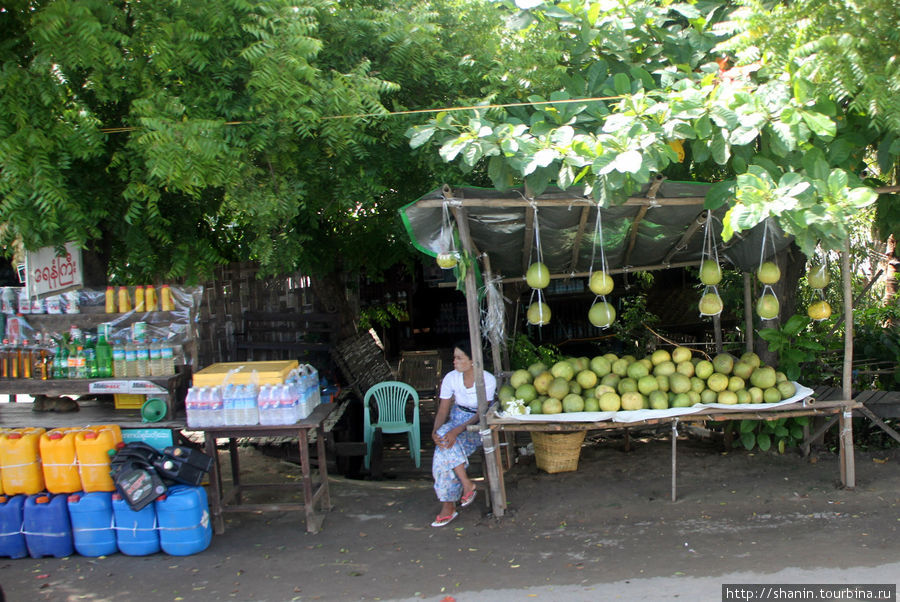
point(143, 358)
point(263, 403)
point(229, 402)
point(167, 357)
point(156, 365)
point(216, 408)
point(130, 359)
point(118, 359)
point(250, 413)
point(191, 408)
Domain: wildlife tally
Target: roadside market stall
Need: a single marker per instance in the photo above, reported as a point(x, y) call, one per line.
point(665, 226)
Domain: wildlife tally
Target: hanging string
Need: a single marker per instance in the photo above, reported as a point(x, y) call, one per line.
point(604, 267)
point(447, 240)
point(493, 318)
point(710, 252)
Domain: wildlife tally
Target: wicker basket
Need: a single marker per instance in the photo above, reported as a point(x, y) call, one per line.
point(557, 452)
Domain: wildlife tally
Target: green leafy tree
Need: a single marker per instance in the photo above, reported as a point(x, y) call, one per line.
point(168, 137)
point(655, 79)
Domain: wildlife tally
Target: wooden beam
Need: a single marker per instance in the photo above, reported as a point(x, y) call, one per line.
point(748, 311)
point(528, 243)
point(686, 237)
point(632, 234)
point(576, 245)
point(643, 268)
point(564, 202)
point(848, 467)
point(494, 477)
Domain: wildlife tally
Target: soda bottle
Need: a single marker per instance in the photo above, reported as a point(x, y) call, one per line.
point(61, 360)
point(81, 369)
point(90, 358)
point(104, 357)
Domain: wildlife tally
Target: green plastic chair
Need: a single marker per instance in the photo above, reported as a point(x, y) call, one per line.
point(391, 398)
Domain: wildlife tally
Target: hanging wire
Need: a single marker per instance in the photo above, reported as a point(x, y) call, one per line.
point(493, 317)
point(540, 258)
point(604, 267)
point(710, 252)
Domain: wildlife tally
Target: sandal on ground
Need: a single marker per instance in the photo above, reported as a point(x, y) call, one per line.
point(467, 499)
point(440, 521)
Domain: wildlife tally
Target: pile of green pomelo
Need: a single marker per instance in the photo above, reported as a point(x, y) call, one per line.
point(608, 383)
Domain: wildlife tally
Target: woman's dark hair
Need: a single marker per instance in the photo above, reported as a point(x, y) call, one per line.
point(465, 346)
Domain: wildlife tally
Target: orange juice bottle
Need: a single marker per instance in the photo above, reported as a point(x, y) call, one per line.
point(20, 463)
point(92, 449)
point(58, 457)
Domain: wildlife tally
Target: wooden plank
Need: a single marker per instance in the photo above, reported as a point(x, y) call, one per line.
point(576, 244)
point(565, 201)
point(686, 237)
point(528, 242)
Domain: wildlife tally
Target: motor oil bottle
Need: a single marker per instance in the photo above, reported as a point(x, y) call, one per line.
point(59, 462)
point(20, 464)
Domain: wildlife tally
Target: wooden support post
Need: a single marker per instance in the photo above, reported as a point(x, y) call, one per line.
point(848, 467)
point(674, 455)
point(494, 476)
point(748, 311)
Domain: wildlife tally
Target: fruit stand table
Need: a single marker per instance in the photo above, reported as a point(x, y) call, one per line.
point(804, 407)
point(233, 502)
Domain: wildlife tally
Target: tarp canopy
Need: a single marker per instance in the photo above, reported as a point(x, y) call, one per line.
point(661, 227)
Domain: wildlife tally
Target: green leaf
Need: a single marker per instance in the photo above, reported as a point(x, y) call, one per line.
point(628, 162)
point(815, 164)
point(795, 324)
point(764, 441)
point(724, 117)
point(748, 440)
point(622, 84)
point(797, 432)
point(719, 195)
point(781, 431)
point(821, 125)
point(748, 425)
point(719, 149)
point(419, 135)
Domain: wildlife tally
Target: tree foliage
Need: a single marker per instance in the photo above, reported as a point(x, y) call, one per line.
point(171, 136)
point(639, 78)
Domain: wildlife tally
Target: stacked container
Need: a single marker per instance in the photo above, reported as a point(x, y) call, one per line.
point(92, 447)
point(183, 518)
point(60, 465)
point(12, 539)
point(48, 531)
point(136, 530)
point(20, 464)
point(93, 528)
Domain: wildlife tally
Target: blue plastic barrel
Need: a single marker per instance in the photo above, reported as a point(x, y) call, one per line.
point(136, 532)
point(12, 540)
point(183, 517)
point(93, 531)
point(48, 531)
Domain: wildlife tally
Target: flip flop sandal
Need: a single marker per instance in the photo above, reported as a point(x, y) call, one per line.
point(440, 521)
point(467, 499)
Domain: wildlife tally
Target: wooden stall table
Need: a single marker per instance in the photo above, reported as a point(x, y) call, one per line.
point(804, 407)
point(219, 503)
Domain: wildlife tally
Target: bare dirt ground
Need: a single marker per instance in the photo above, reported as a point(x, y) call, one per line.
point(607, 531)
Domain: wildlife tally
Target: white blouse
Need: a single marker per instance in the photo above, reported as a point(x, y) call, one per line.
point(452, 387)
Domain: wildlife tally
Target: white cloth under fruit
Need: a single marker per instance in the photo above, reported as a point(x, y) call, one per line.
point(626, 416)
